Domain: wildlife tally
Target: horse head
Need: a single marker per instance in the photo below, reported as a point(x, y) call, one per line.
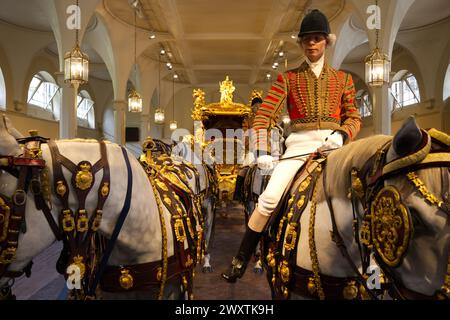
point(13, 258)
point(410, 214)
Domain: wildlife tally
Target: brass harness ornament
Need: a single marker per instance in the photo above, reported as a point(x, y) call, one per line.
point(391, 227)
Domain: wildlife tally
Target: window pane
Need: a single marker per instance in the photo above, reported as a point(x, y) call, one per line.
point(84, 107)
point(35, 82)
point(408, 96)
point(364, 104)
point(396, 91)
point(412, 82)
point(44, 94)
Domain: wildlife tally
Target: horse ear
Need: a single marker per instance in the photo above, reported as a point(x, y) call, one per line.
point(408, 138)
point(8, 144)
point(3, 124)
point(10, 128)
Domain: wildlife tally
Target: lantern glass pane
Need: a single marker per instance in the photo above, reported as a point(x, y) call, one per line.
point(159, 116)
point(376, 72)
point(67, 69)
point(173, 125)
point(85, 70)
point(134, 102)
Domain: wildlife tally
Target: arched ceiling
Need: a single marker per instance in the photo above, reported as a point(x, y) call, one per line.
point(26, 14)
point(421, 14)
point(214, 38)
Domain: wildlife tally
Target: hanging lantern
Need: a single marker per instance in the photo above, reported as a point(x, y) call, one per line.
point(134, 101)
point(377, 63)
point(173, 125)
point(159, 116)
point(76, 66)
point(377, 68)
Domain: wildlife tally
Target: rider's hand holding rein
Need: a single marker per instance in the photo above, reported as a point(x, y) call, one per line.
point(265, 162)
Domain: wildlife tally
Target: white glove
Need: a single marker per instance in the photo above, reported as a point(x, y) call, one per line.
point(327, 145)
point(249, 159)
point(333, 141)
point(265, 162)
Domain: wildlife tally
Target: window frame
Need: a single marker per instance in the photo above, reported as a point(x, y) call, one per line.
point(404, 84)
point(363, 104)
point(42, 81)
point(84, 122)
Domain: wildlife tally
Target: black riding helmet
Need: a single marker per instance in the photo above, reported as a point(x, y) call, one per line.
point(314, 22)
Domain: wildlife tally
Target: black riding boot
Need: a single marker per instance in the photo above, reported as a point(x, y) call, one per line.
point(240, 261)
point(238, 190)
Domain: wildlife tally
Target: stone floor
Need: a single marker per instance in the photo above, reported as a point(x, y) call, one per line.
point(46, 284)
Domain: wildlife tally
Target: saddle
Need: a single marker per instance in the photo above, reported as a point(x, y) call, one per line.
point(281, 239)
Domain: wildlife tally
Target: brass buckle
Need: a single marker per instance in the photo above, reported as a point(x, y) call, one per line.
point(23, 200)
point(68, 221)
point(179, 230)
point(8, 255)
point(82, 223)
point(97, 220)
point(291, 237)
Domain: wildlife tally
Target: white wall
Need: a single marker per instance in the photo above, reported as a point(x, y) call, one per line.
point(23, 53)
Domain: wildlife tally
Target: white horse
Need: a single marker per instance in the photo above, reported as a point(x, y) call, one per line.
point(407, 236)
point(202, 181)
point(140, 239)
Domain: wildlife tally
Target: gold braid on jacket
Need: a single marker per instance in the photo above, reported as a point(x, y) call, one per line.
point(327, 102)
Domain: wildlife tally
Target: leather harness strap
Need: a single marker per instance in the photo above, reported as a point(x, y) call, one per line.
point(337, 238)
point(115, 234)
point(146, 276)
point(333, 287)
point(78, 230)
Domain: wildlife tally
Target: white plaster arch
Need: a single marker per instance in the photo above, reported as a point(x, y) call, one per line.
point(443, 75)
point(99, 40)
point(56, 12)
point(348, 39)
point(40, 62)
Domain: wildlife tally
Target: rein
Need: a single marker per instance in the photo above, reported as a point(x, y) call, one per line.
point(120, 220)
point(337, 238)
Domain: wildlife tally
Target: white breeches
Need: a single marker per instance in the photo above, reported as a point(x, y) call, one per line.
point(297, 143)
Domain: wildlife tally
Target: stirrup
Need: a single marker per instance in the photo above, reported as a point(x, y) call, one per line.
point(235, 271)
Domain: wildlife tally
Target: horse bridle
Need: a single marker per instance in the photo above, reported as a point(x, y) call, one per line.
point(368, 185)
point(27, 168)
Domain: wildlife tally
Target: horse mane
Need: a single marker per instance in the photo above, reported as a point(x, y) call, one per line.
point(341, 162)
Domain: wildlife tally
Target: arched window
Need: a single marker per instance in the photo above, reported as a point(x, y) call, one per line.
point(2, 91)
point(44, 93)
point(364, 103)
point(404, 90)
point(85, 110)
